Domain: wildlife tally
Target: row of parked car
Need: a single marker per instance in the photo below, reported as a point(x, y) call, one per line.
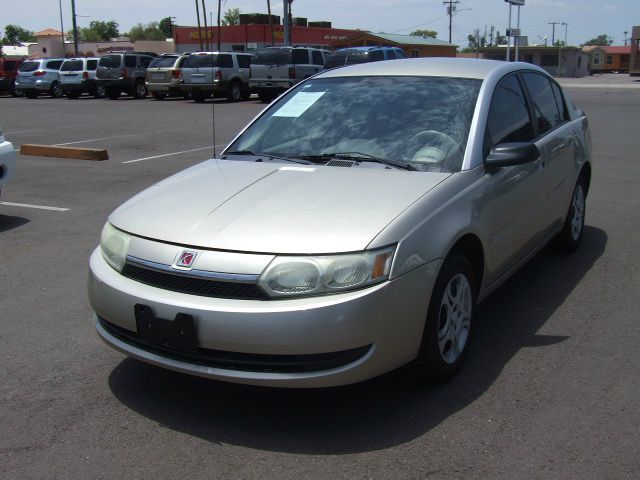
point(198, 75)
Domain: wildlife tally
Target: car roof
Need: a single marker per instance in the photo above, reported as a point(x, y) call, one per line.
point(432, 67)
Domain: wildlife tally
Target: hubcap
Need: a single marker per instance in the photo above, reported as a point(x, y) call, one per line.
point(235, 92)
point(454, 320)
point(577, 219)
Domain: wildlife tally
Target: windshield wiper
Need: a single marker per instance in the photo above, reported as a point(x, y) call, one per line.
point(268, 155)
point(359, 157)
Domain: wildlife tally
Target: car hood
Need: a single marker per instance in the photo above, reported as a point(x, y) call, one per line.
point(273, 207)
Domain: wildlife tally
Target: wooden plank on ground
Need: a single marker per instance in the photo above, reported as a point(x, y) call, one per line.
point(75, 153)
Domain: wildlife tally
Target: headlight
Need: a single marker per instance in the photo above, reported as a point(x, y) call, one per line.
point(293, 276)
point(114, 245)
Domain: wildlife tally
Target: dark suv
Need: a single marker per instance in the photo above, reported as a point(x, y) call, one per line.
point(124, 72)
point(8, 72)
point(353, 55)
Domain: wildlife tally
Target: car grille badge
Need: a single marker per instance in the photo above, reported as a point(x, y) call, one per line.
point(184, 259)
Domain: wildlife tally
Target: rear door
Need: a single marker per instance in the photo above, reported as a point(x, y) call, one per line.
point(271, 65)
point(160, 70)
point(27, 70)
point(244, 67)
point(109, 67)
point(197, 69)
point(92, 65)
point(71, 72)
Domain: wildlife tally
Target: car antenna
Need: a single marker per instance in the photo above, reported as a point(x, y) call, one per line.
point(214, 60)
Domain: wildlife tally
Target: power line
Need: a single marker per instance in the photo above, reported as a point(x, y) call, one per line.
point(421, 24)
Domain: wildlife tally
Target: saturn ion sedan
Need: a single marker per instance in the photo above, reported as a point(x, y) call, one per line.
point(349, 229)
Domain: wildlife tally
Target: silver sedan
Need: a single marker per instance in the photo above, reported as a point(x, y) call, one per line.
point(351, 228)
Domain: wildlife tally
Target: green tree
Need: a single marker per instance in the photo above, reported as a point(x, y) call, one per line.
point(105, 30)
point(231, 17)
point(601, 41)
point(15, 35)
point(500, 39)
point(166, 27)
point(149, 31)
point(425, 33)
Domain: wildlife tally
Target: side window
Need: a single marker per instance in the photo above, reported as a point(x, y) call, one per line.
point(145, 61)
point(225, 61)
point(129, 61)
point(557, 93)
point(91, 65)
point(300, 56)
point(181, 62)
point(545, 107)
point(316, 57)
point(400, 53)
point(376, 55)
point(508, 119)
point(244, 61)
point(391, 55)
point(54, 65)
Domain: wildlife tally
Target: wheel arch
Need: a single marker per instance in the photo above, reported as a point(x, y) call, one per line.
point(585, 173)
point(471, 247)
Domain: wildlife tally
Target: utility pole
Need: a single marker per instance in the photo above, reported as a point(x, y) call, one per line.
point(553, 31)
point(75, 27)
point(452, 6)
point(491, 38)
point(62, 28)
point(199, 28)
point(565, 32)
point(219, 8)
point(270, 22)
point(625, 38)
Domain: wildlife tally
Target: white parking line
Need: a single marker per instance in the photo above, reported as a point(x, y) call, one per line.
point(39, 207)
point(173, 153)
point(99, 139)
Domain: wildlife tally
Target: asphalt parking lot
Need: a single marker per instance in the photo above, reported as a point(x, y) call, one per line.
point(550, 389)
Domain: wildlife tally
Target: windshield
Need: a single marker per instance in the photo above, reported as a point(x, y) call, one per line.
point(339, 59)
point(29, 66)
point(71, 65)
point(110, 61)
point(166, 62)
point(420, 122)
point(273, 56)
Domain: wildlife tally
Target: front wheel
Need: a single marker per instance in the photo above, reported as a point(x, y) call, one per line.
point(568, 240)
point(447, 329)
point(56, 90)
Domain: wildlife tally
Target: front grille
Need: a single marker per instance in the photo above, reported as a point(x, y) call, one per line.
point(194, 286)
point(247, 362)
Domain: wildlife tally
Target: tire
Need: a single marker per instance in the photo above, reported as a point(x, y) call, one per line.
point(112, 93)
point(99, 91)
point(71, 95)
point(139, 90)
point(159, 96)
point(447, 330)
point(56, 90)
point(199, 97)
point(568, 240)
point(234, 93)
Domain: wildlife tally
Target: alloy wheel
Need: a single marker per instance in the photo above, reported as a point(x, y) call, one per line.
point(577, 218)
point(454, 320)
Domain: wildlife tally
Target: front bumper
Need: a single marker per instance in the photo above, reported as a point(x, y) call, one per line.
point(387, 319)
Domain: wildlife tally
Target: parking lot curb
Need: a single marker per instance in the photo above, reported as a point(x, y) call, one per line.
point(95, 154)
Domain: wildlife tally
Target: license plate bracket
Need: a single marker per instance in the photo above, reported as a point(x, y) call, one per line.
point(178, 333)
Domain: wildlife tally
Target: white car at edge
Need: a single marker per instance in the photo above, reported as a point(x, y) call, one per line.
point(7, 160)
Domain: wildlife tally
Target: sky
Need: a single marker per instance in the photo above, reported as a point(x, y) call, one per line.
point(585, 19)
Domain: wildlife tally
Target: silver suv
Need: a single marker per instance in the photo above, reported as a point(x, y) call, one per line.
point(40, 76)
point(164, 75)
point(78, 76)
point(276, 69)
point(224, 74)
point(124, 72)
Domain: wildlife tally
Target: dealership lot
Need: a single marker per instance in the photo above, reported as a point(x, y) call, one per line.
point(550, 389)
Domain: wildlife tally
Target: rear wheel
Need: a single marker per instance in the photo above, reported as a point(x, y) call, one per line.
point(568, 240)
point(71, 95)
point(56, 90)
point(99, 91)
point(139, 90)
point(447, 329)
point(234, 93)
point(199, 97)
point(112, 92)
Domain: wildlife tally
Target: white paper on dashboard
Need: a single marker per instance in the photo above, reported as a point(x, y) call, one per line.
point(299, 104)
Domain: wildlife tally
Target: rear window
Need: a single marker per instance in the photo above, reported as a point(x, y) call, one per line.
point(54, 64)
point(163, 62)
point(29, 67)
point(92, 64)
point(273, 56)
point(201, 61)
point(340, 59)
point(71, 65)
point(110, 61)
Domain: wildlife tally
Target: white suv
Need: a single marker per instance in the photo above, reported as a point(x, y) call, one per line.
point(78, 76)
point(7, 160)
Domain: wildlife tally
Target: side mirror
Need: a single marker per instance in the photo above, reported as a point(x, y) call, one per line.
point(508, 154)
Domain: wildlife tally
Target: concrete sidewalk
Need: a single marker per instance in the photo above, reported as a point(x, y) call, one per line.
point(602, 80)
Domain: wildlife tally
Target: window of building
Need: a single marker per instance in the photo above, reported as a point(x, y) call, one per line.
point(549, 60)
point(579, 62)
point(415, 52)
point(596, 59)
point(609, 59)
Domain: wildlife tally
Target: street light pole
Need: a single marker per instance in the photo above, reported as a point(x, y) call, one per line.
point(62, 27)
point(75, 27)
point(565, 32)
